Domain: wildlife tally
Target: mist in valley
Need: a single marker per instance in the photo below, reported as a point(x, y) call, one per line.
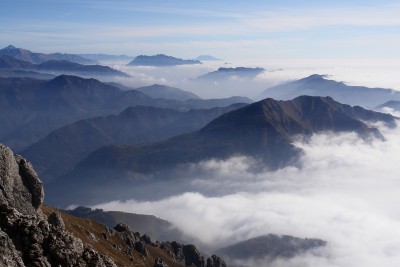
point(343, 190)
point(369, 73)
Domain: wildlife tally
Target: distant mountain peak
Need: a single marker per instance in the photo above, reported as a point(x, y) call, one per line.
point(167, 92)
point(70, 79)
point(37, 58)
point(392, 104)
point(224, 72)
point(263, 130)
point(324, 85)
point(10, 47)
point(161, 60)
point(13, 51)
point(317, 76)
point(9, 60)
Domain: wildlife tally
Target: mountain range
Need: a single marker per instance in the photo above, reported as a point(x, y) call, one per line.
point(262, 130)
point(37, 58)
point(12, 73)
point(167, 92)
point(97, 142)
point(31, 108)
point(161, 60)
point(395, 105)
point(106, 57)
point(319, 85)
point(269, 247)
point(60, 67)
point(62, 149)
point(92, 142)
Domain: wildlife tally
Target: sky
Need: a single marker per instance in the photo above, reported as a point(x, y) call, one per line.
point(347, 190)
point(231, 30)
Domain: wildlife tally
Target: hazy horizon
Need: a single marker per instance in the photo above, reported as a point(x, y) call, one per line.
point(255, 30)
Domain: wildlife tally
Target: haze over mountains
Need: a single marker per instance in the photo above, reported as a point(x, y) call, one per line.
point(106, 57)
point(161, 60)
point(42, 106)
point(167, 92)
point(263, 130)
point(162, 149)
point(39, 107)
point(37, 58)
point(62, 149)
point(232, 73)
point(392, 104)
point(60, 67)
point(319, 85)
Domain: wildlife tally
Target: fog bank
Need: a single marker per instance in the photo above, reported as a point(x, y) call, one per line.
point(368, 73)
point(345, 192)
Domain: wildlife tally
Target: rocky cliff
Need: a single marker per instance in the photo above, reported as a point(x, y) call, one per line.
point(27, 236)
point(32, 234)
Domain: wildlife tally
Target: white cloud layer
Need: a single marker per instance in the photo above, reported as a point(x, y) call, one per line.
point(368, 73)
point(345, 192)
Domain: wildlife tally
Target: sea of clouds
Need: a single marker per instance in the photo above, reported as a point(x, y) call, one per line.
point(364, 73)
point(345, 190)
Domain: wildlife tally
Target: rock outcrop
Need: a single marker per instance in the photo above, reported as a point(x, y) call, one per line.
point(179, 254)
point(188, 255)
point(27, 236)
point(20, 187)
point(35, 235)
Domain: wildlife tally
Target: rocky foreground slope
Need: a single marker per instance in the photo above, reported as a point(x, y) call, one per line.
point(32, 234)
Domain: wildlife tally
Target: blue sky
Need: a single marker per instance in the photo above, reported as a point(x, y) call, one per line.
point(232, 30)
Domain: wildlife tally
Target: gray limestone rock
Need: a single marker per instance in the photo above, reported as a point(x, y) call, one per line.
point(178, 252)
point(20, 187)
point(31, 181)
point(27, 237)
point(9, 256)
point(56, 220)
point(121, 227)
point(215, 261)
point(141, 248)
point(193, 256)
point(146, 239)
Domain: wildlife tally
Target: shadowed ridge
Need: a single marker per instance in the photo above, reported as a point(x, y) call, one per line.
point(264, 131)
